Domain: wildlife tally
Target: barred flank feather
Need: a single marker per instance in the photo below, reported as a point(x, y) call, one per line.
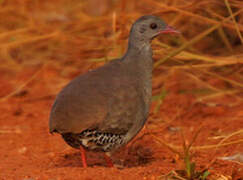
point(94, 140)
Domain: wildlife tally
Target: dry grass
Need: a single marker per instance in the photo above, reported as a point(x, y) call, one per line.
point(42, 31)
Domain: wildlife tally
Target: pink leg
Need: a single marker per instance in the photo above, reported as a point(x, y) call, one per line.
point(83, 157)
point(108, 160)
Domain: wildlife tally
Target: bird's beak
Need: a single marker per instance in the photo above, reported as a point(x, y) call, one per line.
point(169, 29)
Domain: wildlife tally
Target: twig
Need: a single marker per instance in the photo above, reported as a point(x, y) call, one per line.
point(22, 86)
point(236, 25)
point(194, 40)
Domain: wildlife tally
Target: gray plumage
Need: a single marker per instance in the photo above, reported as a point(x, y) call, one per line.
point(105, 108)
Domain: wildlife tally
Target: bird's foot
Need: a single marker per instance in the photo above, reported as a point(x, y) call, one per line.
point(83, 157)
point(108, 160)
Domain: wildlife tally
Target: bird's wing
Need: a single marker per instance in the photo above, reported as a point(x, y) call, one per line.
point(99, 99)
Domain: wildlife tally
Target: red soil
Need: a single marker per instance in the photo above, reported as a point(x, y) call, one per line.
point(29, 151)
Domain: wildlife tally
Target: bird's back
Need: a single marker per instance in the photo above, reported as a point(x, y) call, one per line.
point(106, 99)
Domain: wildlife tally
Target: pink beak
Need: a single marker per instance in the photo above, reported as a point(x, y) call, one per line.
point(169, 29)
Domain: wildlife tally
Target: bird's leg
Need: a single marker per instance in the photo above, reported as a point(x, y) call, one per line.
point(108, 159)
point(83, 157)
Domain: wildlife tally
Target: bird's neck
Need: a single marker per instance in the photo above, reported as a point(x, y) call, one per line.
point(139, 46)
point(139, 52)
point(139, 58)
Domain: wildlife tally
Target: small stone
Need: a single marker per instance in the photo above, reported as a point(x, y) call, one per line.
point(22, 150)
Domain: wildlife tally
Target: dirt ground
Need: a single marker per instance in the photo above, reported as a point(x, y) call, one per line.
point(28, 151)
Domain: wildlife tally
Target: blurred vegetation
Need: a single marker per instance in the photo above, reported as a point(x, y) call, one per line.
point(74, 36)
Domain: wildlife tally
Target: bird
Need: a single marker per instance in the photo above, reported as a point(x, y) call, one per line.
point(104, 109)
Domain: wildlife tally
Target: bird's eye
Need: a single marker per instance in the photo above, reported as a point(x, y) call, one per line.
point(153, 26)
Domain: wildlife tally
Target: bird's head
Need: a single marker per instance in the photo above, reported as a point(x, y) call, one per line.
point(148, 27)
